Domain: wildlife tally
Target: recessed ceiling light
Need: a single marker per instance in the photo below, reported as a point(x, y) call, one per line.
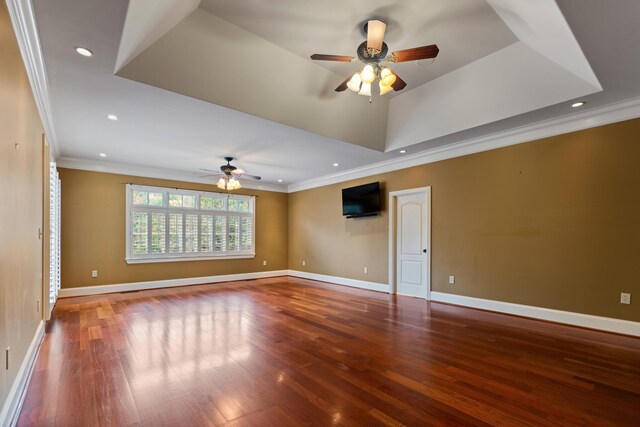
point(112, 117)
point(103, 155)
point(84, 51)
point(279, 180)
point(578, 104)
point(335, 165)
point(403, 151)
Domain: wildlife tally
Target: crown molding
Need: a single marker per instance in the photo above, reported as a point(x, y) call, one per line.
point(612, 113)
point(149, 172)
point(598, 116)
point(24, 25)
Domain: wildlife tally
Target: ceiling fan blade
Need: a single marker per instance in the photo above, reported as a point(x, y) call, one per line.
point(207, 176)
point(413, 54)
point(242, 174)
point(209, 170)
point(339, 58)
point(343, 85)
point(399, 84)
point(375, 35)
point(254, 177)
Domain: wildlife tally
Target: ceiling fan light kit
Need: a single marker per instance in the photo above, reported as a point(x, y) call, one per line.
point(228, 180)
point(227, 183)
point(372, 52)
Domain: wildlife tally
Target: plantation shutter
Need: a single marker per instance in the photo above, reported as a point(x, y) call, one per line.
point(54, 234)
point(165, 224)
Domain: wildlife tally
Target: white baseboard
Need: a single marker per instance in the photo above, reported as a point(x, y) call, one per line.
point(608, 324)
point(373, 286)
point(137, 286)
point(577, 319)
point(13, 403)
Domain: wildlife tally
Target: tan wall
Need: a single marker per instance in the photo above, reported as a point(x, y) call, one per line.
point(20, 207)
point(552, 223)
point(93, 233)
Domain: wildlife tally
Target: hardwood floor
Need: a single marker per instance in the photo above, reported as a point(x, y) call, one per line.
point(288, 351)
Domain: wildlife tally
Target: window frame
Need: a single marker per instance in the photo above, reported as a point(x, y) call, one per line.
point(167, 256)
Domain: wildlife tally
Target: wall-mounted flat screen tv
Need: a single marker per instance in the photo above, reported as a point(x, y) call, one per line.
point(363, 200)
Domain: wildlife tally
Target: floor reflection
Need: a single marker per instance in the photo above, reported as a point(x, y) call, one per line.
point(191, 342)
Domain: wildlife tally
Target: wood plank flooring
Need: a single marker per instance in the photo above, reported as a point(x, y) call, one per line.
point(294, 352)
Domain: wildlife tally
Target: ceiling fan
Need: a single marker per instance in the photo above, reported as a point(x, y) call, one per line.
point(372, 53)
point(230, 175)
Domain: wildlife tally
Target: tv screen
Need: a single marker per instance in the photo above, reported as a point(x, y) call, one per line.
point(363, 200)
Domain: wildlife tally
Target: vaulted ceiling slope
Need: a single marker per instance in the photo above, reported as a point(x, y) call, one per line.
point(193, 81)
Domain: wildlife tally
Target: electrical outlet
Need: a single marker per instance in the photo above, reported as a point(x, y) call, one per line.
point(366, 270)
point(452, 280)
point(304, 263)
point(625, 298)
point(6, 364)
point(94, 273)
point(264, 262)
point(38, 306)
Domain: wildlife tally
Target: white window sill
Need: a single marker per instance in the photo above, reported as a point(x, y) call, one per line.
point(195, 258)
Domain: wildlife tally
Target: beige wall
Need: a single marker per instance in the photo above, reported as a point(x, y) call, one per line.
point(20, 207)
point(93, 233)
point(552, 223)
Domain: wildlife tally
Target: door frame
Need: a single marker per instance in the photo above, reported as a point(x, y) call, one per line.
point(393, 199)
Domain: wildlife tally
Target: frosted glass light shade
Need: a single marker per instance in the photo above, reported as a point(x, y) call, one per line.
point(384, 89)
point(387, 78)
point(354, 83)
point(367, 74)
point(366, 89)
point(226, 183)
point(233, 184)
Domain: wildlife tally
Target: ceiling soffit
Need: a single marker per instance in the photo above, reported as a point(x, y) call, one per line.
point(208, 58)
point(146, 22)
point(545, 68)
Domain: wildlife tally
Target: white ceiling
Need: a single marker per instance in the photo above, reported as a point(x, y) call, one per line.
point(175, 133)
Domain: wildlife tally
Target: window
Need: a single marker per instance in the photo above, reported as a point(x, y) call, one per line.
point(166, 224)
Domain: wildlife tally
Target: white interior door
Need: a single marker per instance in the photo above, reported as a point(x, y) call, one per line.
point(411, 244)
